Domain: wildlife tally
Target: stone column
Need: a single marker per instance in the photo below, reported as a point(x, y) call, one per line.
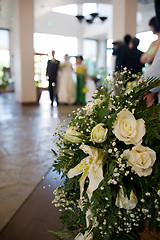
point(22, 50)
point(124, 18)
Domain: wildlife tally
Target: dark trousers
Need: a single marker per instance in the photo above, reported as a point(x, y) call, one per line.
point(52, 91)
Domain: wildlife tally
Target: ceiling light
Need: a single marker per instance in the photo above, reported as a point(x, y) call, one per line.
point(80, 17)
point(91, 18)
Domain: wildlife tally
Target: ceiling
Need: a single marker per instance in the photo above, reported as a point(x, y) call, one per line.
point(145, 12)
point(42, 11)
point(43, 6)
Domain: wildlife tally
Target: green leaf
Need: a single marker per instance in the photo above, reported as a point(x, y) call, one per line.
point(62, 235)
point(54, 152)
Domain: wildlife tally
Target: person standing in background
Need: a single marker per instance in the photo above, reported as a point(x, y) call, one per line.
point(132, 57)
point(81, 71)
point(119, 65)
point(154, 71)
point(148, 56)
point(66, 86)
point(132, 62)
point(51, 73)
point(118, 51)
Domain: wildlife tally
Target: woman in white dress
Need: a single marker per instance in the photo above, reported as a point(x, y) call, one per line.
point(66, 86)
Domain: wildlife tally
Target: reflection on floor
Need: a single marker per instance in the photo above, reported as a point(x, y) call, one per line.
point(25, 142)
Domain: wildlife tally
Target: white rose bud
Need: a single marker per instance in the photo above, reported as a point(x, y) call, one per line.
point(123, 201)
point(127, 129)
point(141, 159)
point(72, 135)
point(99, 133)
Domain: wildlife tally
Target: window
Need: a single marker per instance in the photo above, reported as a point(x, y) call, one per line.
point(146, 38)
point(60, 44)
point(4, 48)
point(89, 8)
point(90, 55)
point(109, 56)
point(70, 9)
point(4, 55)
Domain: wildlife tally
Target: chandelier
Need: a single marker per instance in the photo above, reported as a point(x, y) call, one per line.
point(91, 18)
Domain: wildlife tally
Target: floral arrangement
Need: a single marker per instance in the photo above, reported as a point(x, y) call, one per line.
point(109, 160)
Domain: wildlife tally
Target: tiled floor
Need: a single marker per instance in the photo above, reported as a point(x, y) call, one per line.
point(25, 143)
point(37, 216)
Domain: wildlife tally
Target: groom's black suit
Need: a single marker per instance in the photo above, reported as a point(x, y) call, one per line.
point(52, 70)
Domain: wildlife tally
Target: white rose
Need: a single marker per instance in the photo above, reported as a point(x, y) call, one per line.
point(72, 135)
point(141, 159)
point(123, 201)
point(99, 133)
point(128, 129)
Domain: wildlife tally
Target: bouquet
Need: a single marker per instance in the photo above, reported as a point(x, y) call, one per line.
point(109, 160)
point(63, 65)
point(85, 90)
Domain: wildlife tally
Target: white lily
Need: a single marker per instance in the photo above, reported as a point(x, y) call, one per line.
point(72, 135)
point(91, 167)
point(122, 201)
point(89, 215)
point(91, 219)
point(86, 236)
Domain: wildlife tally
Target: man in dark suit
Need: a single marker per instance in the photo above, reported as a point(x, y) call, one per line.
point(118, 50)
point(51, 73)
point(132, 60)
point(132, 57)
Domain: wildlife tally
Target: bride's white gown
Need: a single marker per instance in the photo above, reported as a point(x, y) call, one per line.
point(66, 86)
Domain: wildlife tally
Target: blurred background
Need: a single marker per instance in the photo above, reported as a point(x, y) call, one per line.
point(54, 26)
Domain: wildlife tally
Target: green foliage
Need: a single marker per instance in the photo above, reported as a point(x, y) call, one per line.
point(4, 80)
point(38, 83)
point(62, 235)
